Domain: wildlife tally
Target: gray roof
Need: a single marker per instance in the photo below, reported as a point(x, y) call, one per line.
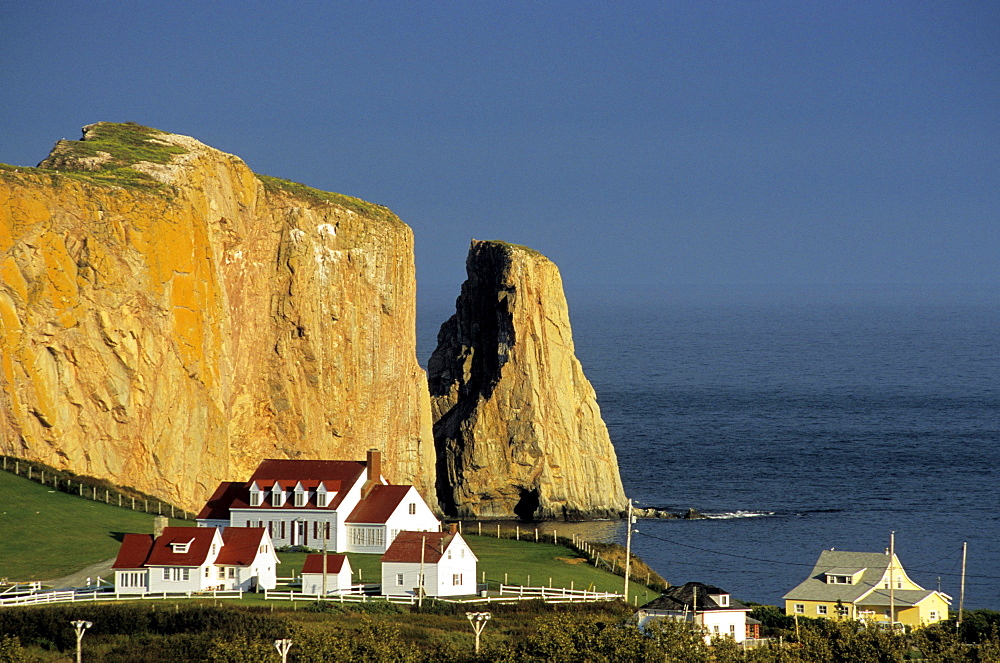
point(815, 587)
point(680, 598)
point(901, 597)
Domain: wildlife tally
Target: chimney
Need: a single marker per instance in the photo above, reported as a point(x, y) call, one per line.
point(373, 473)
point(452, 528)
point(159, 524)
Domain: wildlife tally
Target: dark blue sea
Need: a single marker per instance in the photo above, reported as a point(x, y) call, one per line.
point(798, 419)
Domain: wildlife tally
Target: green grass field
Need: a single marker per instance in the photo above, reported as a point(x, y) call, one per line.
point(46, 534)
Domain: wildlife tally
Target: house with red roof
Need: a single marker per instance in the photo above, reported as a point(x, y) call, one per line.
point(326, 574)
point(194, 559)
point(441, 562)
point(337, 505)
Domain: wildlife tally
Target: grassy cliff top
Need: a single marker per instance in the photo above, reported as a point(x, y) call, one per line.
point(317, 196)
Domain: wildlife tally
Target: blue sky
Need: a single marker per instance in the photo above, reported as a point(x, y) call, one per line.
point(656, 143)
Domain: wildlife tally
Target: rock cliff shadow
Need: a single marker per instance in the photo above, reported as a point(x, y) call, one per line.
point(527, 505)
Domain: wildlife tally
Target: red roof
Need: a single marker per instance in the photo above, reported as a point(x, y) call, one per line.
point(134, 551)
point(217, 507)
point(406, 547)
point(201, 542)
point(314, 563)
point(240, 545)
point(379, 505)
point(273, 470)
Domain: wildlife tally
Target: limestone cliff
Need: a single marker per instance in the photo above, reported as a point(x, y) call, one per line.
point(517, 426)
point(168, 319)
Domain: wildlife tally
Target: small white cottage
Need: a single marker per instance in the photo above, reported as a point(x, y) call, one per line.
point(194, 559)
point(337, 574)
point(445, 559)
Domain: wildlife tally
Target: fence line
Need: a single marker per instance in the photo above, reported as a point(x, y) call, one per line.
point(48, 477)
point(77, 596)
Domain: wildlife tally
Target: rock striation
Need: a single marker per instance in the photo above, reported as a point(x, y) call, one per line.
point(517, 427)
point(168, 319)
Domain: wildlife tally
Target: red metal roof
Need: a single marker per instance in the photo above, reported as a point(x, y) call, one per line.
point(163, 554)
point(346, 471)
point(134, 551)
point(406, 547)
point(379, 505)
point(314, 563)
point(240, 545)
point(217, 507)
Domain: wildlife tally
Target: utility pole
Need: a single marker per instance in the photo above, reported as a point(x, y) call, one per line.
point(478, 621)
point(283, 646)
point(892, 585)
point(420, 580)
point(961, 596)
point(628, 549)
point(324, 567)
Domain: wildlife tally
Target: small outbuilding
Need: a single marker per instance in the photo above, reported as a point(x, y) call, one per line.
point(335, 578)
point(443, 559)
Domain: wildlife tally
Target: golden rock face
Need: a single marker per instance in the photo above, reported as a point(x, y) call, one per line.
point(517, 426)
point(169, 337)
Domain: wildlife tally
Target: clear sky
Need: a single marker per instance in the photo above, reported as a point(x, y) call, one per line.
point(663, 143)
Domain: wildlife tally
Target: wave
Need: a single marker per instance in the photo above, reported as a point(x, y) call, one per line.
point(729, 515)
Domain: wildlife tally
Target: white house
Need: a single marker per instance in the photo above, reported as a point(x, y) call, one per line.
point(343, 506)
point(193, 559)
point(337, 574)
point(706, 606)
point(445, 559)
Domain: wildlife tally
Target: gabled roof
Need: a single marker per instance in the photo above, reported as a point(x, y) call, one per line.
point(334, 563)
point(901, 597)
point(200, 539)
point(815, 587)
point(217, 507)
point(271, 470)
point(683, 597)
point(381, 503)
point(406, 546)
point(134, 551)
point(240, 545)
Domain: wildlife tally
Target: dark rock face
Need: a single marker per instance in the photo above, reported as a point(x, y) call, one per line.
point(517, 428)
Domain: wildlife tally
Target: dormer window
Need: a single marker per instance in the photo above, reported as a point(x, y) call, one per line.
point(322, 496)
point(277, 495)
point(256, 495)
point(180, 548)
point(832, 579)
point(722, 600)
point(300, 495)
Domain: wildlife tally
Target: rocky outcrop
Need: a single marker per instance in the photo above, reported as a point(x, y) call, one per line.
point(517, 426)
point(168, 319)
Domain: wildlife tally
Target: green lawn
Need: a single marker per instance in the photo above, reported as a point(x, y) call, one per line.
point(46, 534)
point(522, 562)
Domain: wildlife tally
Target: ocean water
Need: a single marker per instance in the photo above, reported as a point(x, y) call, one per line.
point(798, 420)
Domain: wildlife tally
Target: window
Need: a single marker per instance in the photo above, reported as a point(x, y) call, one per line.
point(723, 600)
point(222, 572)
point(213, 545)
point(413, 508)
point(232, 571)
point(185, 574)
point(800, 609)
point(282, 529)
point(321, 498)
point(456, 579)
point(166, 573)
point(399, 579)
point(366, 536)
point(449, 553)
point(256, 497)
point(933, 615)
point(276, 498)
point(838, 580)
point(842, 610)
point(327, 531)
point(821, 610)
point(300, 498)
point(717, 629)
point(732, 630)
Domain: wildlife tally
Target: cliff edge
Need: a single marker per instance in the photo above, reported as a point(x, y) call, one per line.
point(168, 319)
point(517, 427)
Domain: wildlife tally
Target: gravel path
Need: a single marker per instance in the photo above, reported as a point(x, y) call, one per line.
point(79, 579)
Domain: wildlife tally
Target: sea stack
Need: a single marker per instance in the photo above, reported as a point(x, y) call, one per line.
point(517, 427)
point(168, 319)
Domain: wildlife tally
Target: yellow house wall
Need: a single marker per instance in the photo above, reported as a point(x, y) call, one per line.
point(811, 609)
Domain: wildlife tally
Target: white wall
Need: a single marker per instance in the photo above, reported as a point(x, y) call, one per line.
point(241, 518)
point(728, 622)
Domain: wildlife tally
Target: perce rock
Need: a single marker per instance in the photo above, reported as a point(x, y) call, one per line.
point(168, 319)
point(517, 426)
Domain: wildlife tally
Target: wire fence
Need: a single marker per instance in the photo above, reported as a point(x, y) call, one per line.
point(89, 488)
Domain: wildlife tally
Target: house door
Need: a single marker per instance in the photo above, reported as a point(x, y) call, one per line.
point(296, 532)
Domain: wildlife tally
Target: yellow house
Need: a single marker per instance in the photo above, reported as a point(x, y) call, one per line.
point(869, 586)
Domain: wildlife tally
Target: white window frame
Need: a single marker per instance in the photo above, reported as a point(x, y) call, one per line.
point(821, 610)
point(800, 609)
point(456, 579)
point(300, 498)
point(399, 579)
point(413, 508)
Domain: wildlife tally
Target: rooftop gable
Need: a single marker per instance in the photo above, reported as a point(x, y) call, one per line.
point(693, 596)
point(334, 563)
point(815, 588)
point(200, 538)
point(380, 504)
point(134, 551)
point(240, 545)
point(406, 547)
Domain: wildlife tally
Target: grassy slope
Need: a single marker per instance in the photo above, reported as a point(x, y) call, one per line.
point(45, 534)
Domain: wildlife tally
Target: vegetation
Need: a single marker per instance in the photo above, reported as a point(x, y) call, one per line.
point(112, 149)
point(523, 632)
point(48, 534)
point(316, 196)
